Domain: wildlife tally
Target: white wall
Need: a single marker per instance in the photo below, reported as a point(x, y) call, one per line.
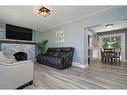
point(75, 35)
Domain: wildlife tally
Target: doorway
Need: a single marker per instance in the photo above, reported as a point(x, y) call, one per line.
point(100, 36)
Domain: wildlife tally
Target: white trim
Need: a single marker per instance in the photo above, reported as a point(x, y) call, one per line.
point(76, 64)
point(124, 60)
point(84, 66)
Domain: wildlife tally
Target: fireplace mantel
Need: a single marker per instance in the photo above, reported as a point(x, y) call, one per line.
point(16, 41)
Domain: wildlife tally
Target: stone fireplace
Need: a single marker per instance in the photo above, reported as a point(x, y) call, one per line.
point(21, 50)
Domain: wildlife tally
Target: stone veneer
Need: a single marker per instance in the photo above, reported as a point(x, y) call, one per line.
point(12, 48)
point(2, 31)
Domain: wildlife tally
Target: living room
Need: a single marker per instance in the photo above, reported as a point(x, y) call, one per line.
point(63, 32)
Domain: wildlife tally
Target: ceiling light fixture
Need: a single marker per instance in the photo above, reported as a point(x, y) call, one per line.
point(109, 25)
point(44, 11)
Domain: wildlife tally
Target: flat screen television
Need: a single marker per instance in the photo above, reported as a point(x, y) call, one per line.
point(18, 33)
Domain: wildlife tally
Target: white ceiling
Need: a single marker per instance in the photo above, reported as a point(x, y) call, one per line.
point(26, 16)
point(116, 26)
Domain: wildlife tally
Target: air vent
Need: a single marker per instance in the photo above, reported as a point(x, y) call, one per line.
point(92, 26)
point(95, 26)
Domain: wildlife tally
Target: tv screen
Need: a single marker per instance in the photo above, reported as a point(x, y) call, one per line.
point(18, 33)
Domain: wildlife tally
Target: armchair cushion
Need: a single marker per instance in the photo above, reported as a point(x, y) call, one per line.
point(6, 58)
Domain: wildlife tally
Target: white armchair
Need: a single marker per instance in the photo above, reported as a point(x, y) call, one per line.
point(16, 74)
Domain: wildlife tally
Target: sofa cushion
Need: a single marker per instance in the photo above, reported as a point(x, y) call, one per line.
point(66, 52)
point(50, 60)
point(52, 52)
point(54, 60)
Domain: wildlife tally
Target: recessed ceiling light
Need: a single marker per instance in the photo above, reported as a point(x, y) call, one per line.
point(109, 25)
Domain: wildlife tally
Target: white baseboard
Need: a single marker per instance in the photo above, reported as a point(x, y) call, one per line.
point(124, 60)
point(76, 64)
point(84, 66)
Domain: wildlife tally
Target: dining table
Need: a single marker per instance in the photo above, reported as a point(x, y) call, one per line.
point(109, 56)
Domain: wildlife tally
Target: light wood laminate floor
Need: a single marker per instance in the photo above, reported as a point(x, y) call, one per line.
point(96, 76)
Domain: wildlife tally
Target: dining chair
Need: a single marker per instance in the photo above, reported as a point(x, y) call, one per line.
point(109, 55)
point(109, 49)
point(117, 56)
point(102, 56)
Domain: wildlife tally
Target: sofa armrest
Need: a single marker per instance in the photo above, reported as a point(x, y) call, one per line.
point(66, 58)
point(65, 62)
point(40, 55)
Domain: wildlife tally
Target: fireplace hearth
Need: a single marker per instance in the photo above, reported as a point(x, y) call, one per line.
point(19, 56)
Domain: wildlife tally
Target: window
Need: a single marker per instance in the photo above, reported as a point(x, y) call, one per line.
point(112, 42)
point(116, 41)
point(106, 42)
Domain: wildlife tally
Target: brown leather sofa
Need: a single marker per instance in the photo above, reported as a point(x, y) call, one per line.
point(60, 58)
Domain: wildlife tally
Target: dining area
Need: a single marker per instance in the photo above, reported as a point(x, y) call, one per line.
point(111, 56)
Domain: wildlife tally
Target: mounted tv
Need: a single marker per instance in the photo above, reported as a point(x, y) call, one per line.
point(18, 33)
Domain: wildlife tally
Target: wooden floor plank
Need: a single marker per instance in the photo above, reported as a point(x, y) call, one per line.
point(96, 76)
